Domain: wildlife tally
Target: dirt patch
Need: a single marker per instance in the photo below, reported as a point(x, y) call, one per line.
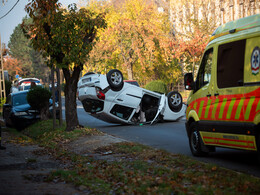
point(24, 166)
point(89, 144)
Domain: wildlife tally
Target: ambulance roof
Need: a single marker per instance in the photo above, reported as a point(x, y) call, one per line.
point(236, 26)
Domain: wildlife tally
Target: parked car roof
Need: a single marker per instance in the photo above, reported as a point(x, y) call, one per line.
point(28, 80)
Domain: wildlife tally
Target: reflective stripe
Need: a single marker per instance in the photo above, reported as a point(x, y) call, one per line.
point(231, 108)
point(200, 109)
point(239, 108)
point(248, 108)
point(188, 110)
point(195, 105)
point(222, 108)
point(235, 107)
point(207, 108)
point(215, 108)
point(229, 140)
point(258, 106)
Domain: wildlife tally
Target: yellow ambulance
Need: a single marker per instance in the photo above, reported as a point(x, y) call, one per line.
point(224, 104)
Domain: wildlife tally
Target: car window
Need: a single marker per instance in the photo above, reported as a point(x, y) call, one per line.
point(26, 87)
point(122, 111)
point(204, 74)
point(20, 88)
point(19, 99)
point(93, 106)
point(230, 67)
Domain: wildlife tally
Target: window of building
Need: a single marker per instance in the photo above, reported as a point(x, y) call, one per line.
point(230, 67)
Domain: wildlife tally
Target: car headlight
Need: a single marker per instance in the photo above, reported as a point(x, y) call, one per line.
point(20, 113)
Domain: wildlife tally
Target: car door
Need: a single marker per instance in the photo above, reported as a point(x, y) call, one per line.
point(130, 96)
point(203, 92)
point(161, 108)
point(229, 90)
point(123, 104)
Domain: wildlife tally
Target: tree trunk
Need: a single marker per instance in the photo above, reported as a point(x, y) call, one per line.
point(59, 96)
point(44, 112)
point(70, 97)
point(130, 71)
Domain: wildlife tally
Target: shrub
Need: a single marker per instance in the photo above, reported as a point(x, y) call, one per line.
point(157, 86)
point(38, 98)
point(3, 100)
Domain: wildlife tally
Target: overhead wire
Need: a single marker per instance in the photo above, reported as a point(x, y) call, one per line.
point(9, 10)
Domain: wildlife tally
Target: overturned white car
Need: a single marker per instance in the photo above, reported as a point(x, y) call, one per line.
point(109, 98)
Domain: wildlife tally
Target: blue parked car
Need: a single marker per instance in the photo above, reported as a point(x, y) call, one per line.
point(18, 113)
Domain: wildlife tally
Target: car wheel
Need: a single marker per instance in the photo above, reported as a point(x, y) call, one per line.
point(115, 79)
point(195, 141)
point(7, 124)
point(175, 101)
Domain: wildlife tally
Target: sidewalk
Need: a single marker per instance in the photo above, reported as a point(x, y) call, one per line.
point(24, 168)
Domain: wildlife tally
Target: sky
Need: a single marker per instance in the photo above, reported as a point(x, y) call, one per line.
point(15, 16)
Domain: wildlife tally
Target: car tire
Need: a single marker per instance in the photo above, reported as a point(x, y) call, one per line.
point(175, 101)
point(88, 73)
point(195, 141)
point(7, 124)
point(115, 79)
point(6, 120)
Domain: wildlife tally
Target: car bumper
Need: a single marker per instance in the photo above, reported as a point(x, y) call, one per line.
point(22, 121)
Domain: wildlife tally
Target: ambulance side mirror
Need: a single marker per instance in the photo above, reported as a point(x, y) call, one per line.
point(188, 81)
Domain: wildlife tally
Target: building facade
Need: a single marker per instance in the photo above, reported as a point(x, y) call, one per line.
point(217, 12)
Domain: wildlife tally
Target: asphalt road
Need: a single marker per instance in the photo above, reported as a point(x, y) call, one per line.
point(171, 136)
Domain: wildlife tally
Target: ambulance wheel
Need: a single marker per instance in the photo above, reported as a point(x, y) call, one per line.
point(174, 101)
point(115, 79)
point(195, 141)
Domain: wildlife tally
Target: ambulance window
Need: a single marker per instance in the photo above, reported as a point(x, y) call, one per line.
point(204, 74)
point(230, 68)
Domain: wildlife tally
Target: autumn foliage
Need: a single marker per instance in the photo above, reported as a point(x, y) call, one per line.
point(14, 66)
point(65, 37)
point(136, 41)
point(134, 37)
point(139, 40)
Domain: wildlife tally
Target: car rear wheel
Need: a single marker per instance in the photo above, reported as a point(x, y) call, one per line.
point(175, 101)
point(115, 79)
point(195, 141)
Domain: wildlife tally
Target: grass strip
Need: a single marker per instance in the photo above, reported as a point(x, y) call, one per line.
point(134, 168)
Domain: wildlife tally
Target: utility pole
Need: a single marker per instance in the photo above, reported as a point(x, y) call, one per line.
point(53, 97)
point(56, 90)
point(2, 79)
point(59, 95)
